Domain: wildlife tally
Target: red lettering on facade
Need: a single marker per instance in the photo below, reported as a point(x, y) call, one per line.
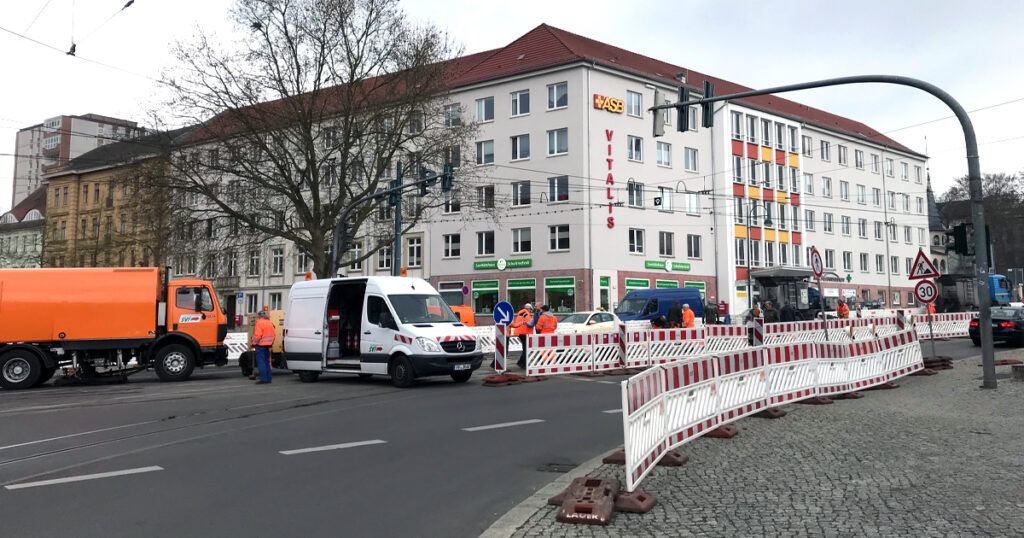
point(611, 222)
point(610, 197)
point(610, 160)
point(609, 180)
point(608, 133)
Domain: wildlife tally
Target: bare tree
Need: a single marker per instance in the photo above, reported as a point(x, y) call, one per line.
point(309, 111)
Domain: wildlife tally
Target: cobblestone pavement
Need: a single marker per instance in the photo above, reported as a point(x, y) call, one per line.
point(935, 457)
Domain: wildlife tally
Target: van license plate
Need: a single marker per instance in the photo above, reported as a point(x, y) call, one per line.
point(463, 366)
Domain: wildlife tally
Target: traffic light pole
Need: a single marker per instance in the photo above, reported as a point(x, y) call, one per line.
point(396, 248)
point(973, 175)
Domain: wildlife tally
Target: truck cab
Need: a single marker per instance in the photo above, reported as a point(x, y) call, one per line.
point(394, 326)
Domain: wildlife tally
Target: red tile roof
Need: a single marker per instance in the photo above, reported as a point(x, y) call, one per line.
point(36, 200)
point(546, 46)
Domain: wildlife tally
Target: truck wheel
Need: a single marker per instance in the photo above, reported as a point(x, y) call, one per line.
point(245, 363)
point(20, 369)
point(308, 376)
point(402, 374)
point(462, 376)
point(174, 363)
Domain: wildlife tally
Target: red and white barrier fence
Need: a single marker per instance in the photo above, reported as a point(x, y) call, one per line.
point(951, 325)
point(673, 403)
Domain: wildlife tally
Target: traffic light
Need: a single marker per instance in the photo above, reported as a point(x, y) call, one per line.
point(960, 239)
point(707, 109)
point(394, 196)
point(683, 112)
point(659, 115)
point(447, 178)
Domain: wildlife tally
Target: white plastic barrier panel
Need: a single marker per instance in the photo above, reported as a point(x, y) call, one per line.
point(548, 354)
point(691, 399)
point(794, 331)
point(950, 325)
point(833, 375)
point(638, 325)
point(671, 345)
point(900, 354)
point(637, 353)
point(724, 338)
point(484, 338)
point(742, 384)
point(885, 326)
point(643, 423)
point(609, 351)
point(237, 343)
point(792, 372)
point(864, 365)
point(565, 328)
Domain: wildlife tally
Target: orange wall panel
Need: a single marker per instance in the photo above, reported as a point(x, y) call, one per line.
point(755, 233)
point(783, 237)
point(737, 147)
point(769, 235)
point(739, 231)
point(739, 189)
point(794, 199)
point(780, 157)
point(751, 151)
point(754, 193)
point(797, 240)
point(766, 154)
point(794, 160)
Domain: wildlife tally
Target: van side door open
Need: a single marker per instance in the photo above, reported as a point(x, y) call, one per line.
point(379, 332)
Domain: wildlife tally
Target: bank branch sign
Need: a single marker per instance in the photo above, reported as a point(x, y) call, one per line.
point(666, 265)
point(501, 264)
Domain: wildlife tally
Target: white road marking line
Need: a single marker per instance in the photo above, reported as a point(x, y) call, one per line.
point(612, 411)
point(78, 434)
point(331, 447)
point(608, 382)
point(502, 425)
point(84, 477)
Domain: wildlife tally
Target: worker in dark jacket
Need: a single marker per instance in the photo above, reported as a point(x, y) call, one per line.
point(770, 314)
point(711, 313)
point(789, 313)
point(675, 316)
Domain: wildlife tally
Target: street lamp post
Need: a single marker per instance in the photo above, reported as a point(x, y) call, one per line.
point(751, 211)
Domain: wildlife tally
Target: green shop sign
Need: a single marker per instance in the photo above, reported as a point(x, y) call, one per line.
point(485, 285)
point(666, 265)
point(560, 282)
point(605, 281)
point(638, 283)
point(666, 284)
point(521, 283)
point(501, 264)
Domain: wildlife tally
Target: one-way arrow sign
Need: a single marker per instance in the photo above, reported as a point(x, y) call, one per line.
point(923, 267)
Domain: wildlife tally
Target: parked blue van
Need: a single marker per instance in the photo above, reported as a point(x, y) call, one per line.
point(651, 303)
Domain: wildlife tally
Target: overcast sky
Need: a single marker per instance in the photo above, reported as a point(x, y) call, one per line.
point(973, 50)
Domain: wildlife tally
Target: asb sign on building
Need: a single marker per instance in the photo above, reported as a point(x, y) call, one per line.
point(610, 104)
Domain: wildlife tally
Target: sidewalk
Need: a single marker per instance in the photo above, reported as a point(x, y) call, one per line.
point(936, 457)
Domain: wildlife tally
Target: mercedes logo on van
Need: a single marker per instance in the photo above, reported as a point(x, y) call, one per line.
point(460, 347)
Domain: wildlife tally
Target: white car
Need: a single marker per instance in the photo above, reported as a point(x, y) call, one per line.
point(593, 322)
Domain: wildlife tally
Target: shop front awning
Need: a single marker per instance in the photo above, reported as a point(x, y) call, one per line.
point(781, 273)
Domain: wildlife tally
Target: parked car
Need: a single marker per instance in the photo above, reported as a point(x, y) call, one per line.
point(1007, 326)
point(593, 322)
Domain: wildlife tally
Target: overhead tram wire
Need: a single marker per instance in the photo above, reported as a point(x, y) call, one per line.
point(34, 19)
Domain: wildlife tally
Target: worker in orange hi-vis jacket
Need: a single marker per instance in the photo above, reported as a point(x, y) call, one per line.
point(262, 340)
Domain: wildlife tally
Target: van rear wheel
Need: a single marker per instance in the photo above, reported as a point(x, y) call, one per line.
point(308, 376)
point(174, 363)
point(402, 374)
point(20, 369)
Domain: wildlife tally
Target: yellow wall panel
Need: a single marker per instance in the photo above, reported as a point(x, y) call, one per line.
point(781, 197)
point(767, 154)
point(794, 160)
point(769, 235)
point(783, 237)
point(754, 193)
point(740, 231)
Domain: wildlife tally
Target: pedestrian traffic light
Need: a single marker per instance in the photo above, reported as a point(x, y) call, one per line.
point(683, 112)
point(447, 178)
point(707, 109)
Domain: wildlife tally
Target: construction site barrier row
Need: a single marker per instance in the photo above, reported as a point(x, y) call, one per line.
point(237, 343)
point(951, 325)
point(673, 403)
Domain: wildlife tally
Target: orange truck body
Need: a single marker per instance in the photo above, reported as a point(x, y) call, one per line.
point(94, 318)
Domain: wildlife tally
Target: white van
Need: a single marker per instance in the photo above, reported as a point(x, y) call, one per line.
point(386, 325)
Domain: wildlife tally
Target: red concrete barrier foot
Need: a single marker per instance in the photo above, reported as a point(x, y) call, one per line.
point(501, 380)
point(636, 502)
point(926, 371)
point(591, 503)
point(534, 378)
point(723, 432)
point(615, 458)
point(590, 374)
point(1006, 362)
point(816, 400)
point(774, 412)
point(672, 458)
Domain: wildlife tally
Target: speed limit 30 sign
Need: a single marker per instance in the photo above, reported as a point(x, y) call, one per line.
point(925, 291)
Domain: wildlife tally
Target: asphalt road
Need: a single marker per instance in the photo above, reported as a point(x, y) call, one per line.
point(219, 456)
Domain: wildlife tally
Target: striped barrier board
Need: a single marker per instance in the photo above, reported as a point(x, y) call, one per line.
point(637, 354)
point(900, 354)
point(949, 325)
point(500, 349)
point(548, 354)
point(833, 375)
point(670, 345)
point(237, 343)
point(864, 365)
point(794, 331)
point(742, 385)
point(608, 351)
point(690, 399)
point(484, 338)
point(725, 338)
point(791, 371)
point(643, 423)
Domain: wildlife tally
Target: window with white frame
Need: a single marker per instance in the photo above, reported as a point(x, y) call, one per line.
point(825, 153)
point(889, 168)
point(780, 176)
point(844, 190)
point(558, 236)
point(917, 174)
point(452, 202)
point(636, 241)
point(634, 148)
point(485, 152)
point(908, 263)
point(755, 252)
point(357, 252)
point(876, 196)
point(739, 209)
point(827, 226)
point(769, 253)
point(830, 259)
point(384, 258)
point(485, 109)
point(844, 224)
point(558, 142)
point(485, 197)
point(768, 221)
point(737, 125)
point(847, 261)
point(796, 255)
point(767, 173)
point(275, 301)
point(808, 183)
point(693, 203)
point(780, 135)
point(452, 245)
point(781, 221)
point(520, 103)
point(894, 265)
point(558, 95)
point(277, 261)
point(752, 124)
point(879, 263)
point(252, 303)
point(861, 194)
point(414, 251)
point(908, 235)
point(841, 154)
point(753, 165)
point(693, 246)
point(520, 193)
point(666, 244)
point(806, 144)
point(892, 233)
point(558, 189)
point(521, 241)
point(766, 132)
point(783, 254)
point(485, 243)
point(794, 181)
point(906, 202)
point(664, 154)
point(878, 230)
point(453, 115)
point(919, 205)
point(904, 171)
point(737, 169)
point(796, 218)
point(863, 262)
point(920, 236)
point(809, 220)
point(862, 228)
point(634, 103)
point(520, 147)
point(891, 196)
point(794, 140)
point(691, 160)
point(254, 263)
point(826, 187)
point(741, 251)
point(665, 193)
point(635, 193)
point(858, 159)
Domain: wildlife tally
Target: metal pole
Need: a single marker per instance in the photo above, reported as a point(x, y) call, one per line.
point(821, 303)
point(931, 332)
point(396, 246)
point(973, 174)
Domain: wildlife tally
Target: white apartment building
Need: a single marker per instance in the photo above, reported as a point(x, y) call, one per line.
point(56, 141)
point(21, 232)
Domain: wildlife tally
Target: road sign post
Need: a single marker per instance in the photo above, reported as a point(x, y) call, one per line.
point(926, 292)
point(818, 269)
point(503, 314)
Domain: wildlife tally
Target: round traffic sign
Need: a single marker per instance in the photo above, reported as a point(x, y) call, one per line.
point(816, 264)
point(925, 291)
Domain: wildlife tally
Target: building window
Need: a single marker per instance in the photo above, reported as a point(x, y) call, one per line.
point(558, 142)
point(844, 191)
point(908, 235)
point(633, 103)
point(809, 220)
point(754, 167)
point(414, 249)
point(452, 245)
point(908, 263)
point(808, 183)
point(796, 255)
point(920, 236)
point(558, 189)
point(889, 168)
point(558, 236)
point(485, 109)
point(906, 203)
point(737, 169)
point(793, 140)
point(520, 103)
point(636, 194)
point(826, 187)
point(766, 132)
point(485, 243)
point(485, 152)
point(739, 211)
point(847, 261)
point(796, 218)
point(452, 202)
point(904, 171)
point(741, 251)
point(665, 193)
point(783, 254)
point(876, 196)
point(485, 197)
point(453, 115)
point(252, 303)
point(692, 203)
point(755, 253)
point(277, 261)
point(636, 241)
point(841, 154)
point(521, 243)
point(693, 246)
point(858, 159)
point(780, 136)
point(894, 265)
point(384, 258)
point(520, 193)
point(558, 95)
point(919, 205)
point(863, 262)
point(768, 221)
point(830, 259)
point(634, 148)
point(861, 194)
point(917, 174)
point(806, 143)
point(827, 227)
point(301, 263)
point(892, 199)
point(254, 263)
point(666, 244)
point(752, 129)
point(664, 154)
point(520, 147)
point(862, 228)
point(275, 301)
point(875, 160)
point(825, 150)
point(737, 125)
point(691, 160)
point(844, 224)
